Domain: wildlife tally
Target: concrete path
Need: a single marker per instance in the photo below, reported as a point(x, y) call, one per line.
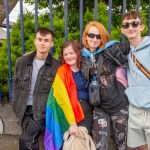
point(12, 130)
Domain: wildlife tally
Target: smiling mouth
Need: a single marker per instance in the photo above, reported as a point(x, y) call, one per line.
point(130, 32)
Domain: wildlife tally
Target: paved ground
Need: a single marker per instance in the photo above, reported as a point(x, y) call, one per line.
point(12, 130)
point(9, 140)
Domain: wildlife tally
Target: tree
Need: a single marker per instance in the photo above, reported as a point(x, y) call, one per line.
point(58, 28)
point(29, 30)
point(73, 9)
point(12, 4)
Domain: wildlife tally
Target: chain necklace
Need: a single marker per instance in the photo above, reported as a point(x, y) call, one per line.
point(93, 60)
point(93, 69)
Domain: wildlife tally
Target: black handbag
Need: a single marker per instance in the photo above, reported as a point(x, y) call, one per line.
point(94, 86)
point(94, 93)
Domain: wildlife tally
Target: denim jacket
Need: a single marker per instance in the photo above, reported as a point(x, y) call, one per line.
point(22, 82)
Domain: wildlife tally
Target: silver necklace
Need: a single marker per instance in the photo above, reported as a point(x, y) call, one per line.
point(93, 60)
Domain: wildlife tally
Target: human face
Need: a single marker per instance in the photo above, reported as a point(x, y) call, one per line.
point(43, 43)
point(69, 56)
point(132, 32)
point(93, 43)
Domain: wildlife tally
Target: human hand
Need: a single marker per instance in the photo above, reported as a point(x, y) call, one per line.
point(74, 130)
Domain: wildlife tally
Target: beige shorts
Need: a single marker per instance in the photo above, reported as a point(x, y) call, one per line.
point(138, 127)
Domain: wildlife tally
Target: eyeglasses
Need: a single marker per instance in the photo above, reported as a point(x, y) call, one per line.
point(134, 24)
point(92, 36)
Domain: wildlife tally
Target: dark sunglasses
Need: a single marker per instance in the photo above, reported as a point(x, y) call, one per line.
point(134, 24)
point(92, 36)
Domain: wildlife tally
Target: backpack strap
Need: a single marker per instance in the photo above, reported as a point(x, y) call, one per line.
point(140, 66)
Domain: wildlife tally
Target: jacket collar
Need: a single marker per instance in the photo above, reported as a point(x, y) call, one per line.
point(87, 53)
point(31, 56)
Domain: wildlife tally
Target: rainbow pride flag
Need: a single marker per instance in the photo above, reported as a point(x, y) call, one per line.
point(63, 108)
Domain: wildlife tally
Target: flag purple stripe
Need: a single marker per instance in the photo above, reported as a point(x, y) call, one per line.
point(49, 142)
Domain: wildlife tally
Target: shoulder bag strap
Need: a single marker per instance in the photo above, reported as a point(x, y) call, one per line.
point(139, 65)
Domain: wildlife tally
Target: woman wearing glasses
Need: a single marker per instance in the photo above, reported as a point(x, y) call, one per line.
point(111, 78)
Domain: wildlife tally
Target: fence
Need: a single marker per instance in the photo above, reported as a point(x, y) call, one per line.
point(51, 26)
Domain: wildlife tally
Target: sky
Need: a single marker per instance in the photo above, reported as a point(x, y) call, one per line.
point(16, 10)
point(26, 7)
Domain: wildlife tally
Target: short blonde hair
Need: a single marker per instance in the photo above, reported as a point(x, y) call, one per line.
point(105, 37)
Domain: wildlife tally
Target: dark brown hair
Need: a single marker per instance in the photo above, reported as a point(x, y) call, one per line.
point(44, 31)
point(76, 48)
point(132, 15)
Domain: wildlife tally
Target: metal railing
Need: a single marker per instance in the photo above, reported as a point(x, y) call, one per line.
point(51, 27)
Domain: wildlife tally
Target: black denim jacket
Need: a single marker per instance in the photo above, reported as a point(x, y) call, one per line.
point(22, 81)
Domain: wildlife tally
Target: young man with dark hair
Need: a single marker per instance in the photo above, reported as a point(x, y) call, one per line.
point(138, 92)
point(33, 77)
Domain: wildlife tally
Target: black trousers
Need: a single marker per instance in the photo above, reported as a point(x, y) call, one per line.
point(88, 116)
point(31, 130)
